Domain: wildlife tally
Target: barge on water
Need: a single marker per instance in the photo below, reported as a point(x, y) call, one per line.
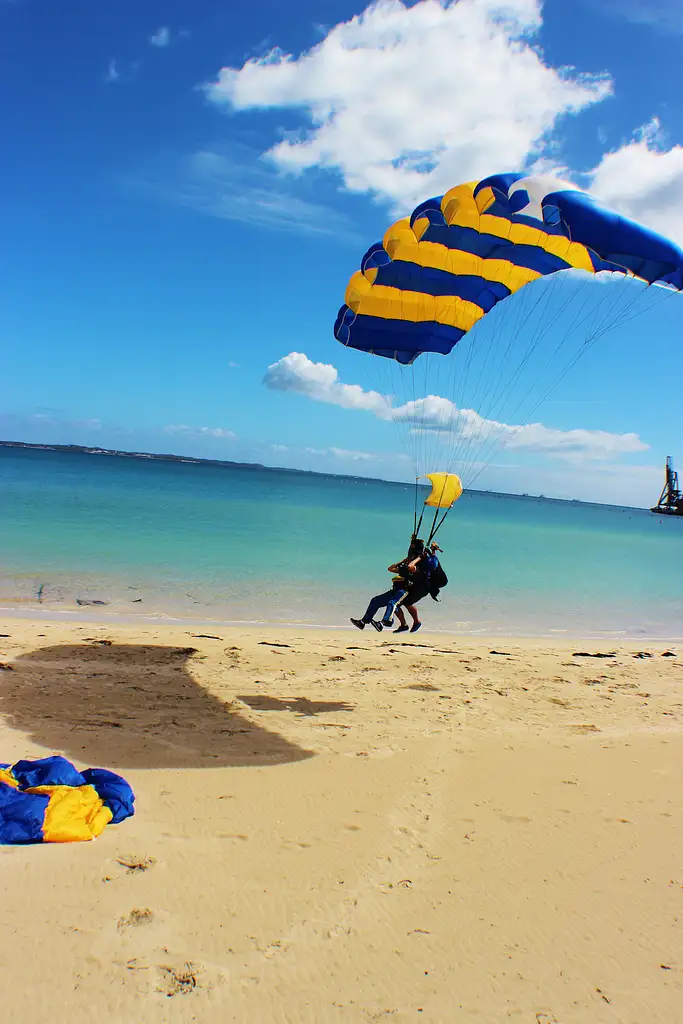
point(670, 500)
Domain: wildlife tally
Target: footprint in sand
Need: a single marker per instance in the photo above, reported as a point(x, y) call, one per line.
point(178, 981)
point(135, 918)
point(134, 864)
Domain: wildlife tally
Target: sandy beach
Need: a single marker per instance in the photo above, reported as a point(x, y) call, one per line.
point(343, 827)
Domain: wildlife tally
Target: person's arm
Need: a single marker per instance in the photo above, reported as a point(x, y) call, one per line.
point(395, 567)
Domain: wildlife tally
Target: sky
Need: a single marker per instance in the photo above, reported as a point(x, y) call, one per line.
point(187, 188)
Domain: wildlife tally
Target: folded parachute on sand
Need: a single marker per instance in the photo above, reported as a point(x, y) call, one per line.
point(49, 801)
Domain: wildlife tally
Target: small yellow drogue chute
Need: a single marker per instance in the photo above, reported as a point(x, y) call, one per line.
point(446, 489)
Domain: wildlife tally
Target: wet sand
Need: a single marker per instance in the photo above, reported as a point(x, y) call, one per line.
point(349, 827)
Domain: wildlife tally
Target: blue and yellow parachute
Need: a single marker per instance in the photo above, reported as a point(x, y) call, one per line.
point(441, 270)
point(572, 271)
point(49, 801)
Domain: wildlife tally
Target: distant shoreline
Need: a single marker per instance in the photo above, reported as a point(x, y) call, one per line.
point(77, 449)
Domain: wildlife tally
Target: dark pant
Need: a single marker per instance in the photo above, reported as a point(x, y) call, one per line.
point(380, 602)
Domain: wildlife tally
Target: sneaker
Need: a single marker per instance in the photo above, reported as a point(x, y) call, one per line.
point(358, 623)
point(402, 629)
point(414, 628)
point(378, 625)
point(388, 622)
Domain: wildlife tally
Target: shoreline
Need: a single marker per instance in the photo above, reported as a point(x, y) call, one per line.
point(125, 619)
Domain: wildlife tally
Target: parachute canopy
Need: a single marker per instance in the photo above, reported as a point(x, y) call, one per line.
point(446, 489)
point(439, 271)
point(49, 801)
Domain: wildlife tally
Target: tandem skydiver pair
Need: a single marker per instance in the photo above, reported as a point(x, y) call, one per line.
point(418, 574)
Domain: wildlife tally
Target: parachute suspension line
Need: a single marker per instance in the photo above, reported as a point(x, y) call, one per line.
point(386, 387)
point(469, 438)
point(436, 526)
point(602, 329)
point(539, 332)
point(588, 285)
point(418, 523)
point(473, 441)
point(486, 406)
point(497, 448)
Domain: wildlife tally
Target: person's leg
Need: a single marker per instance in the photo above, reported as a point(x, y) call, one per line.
point(412, 611)
point(396, 598)
point(402, 624)
point(377, 602)
point(380, 601)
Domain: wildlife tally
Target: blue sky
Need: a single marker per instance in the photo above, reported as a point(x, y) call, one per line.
point(188, 187)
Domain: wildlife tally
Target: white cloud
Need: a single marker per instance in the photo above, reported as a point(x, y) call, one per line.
point(162, 37)
point(183, 429)
point(404, 100)
point(644, 181)
point(344, 453)
point(112, 74)
point(320, 381)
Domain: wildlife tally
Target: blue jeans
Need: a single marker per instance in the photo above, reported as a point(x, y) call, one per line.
point(390, 600)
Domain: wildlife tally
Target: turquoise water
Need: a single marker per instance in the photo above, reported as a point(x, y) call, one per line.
point(224, 544)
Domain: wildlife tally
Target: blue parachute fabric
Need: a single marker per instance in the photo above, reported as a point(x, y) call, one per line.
point(46, 771)
point(21, 815)
point(49, 800)
point(114, 792)
point(619, 240)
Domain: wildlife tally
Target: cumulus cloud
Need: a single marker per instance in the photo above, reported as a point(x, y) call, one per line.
point(183, 429)
point(644, 180)
point(161, 38)
point(402, 100)
point(320, 381)
point(434, 414)
point(439, 414)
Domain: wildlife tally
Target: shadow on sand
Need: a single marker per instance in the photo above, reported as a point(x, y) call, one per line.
point(300, 705)
point(130, 706)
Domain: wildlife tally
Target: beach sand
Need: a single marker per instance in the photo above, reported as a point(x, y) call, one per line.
point(348, 827)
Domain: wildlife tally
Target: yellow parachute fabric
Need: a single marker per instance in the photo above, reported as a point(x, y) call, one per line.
point(446, 489)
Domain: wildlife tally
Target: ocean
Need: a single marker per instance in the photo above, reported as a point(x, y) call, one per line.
point(220, 544)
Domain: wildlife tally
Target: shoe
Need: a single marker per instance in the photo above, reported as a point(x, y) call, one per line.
point(388, 623)
point(415, 626)
point(358, 623)
point(378, 625)
point(402, 629)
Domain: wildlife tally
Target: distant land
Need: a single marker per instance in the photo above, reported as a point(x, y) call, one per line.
point(159, 457)
point(155, 456)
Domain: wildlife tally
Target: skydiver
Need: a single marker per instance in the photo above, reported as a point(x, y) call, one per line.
point(421, 585)
point(400, 587)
